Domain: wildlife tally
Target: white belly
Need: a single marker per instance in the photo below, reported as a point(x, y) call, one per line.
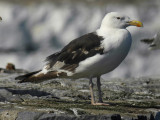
point(101, 64)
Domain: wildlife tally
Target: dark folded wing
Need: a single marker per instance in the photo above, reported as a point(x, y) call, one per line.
point(76, 51)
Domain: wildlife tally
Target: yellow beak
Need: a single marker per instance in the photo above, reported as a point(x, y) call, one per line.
point(136, 23)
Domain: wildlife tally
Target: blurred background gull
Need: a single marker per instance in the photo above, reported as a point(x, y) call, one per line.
point(33, 29)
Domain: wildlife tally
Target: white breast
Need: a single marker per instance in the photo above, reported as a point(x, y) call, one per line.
point(116, 47)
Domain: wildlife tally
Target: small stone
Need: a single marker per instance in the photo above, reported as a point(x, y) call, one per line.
point(10, 66)
point(78, 111)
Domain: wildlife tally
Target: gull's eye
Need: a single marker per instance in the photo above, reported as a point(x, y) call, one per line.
point(118, 18)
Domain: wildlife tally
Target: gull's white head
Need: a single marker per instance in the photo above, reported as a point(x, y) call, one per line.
point(117, 20)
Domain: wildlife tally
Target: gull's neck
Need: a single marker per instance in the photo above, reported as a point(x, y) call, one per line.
point(103, 31)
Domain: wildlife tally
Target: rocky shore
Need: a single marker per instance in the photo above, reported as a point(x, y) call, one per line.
point(64, 99)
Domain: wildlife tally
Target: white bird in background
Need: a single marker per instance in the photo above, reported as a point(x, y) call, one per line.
point(154, 43)
point(90, 55)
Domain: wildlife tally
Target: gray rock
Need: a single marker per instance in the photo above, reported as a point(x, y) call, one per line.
point(5, 95)
point(56, 117)
point(8, 114)
point(68, 117)
point(27, 115)
point(95, 117)
point(72, 100)
point(2, 70)
point(47, 115)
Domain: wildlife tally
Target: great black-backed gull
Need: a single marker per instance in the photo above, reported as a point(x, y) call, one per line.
point(90, 55)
